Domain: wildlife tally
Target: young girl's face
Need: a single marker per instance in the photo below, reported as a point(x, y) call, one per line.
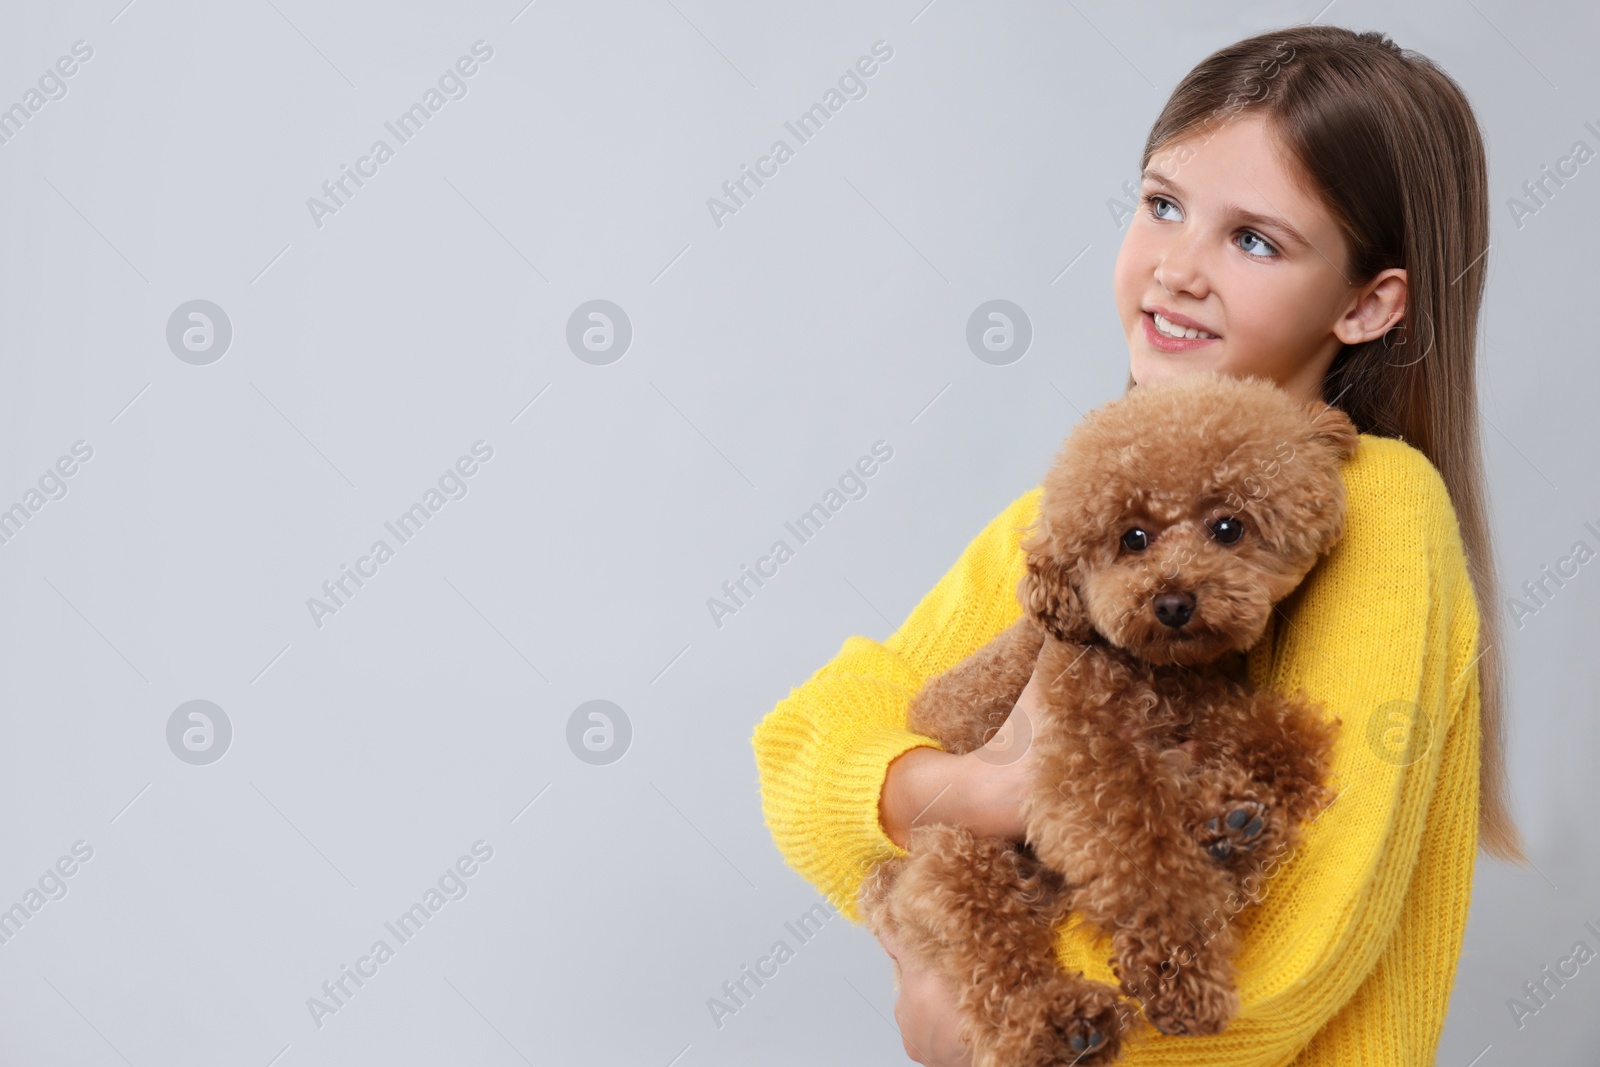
point(1226, 241)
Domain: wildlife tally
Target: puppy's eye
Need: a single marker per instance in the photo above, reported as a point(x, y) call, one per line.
point(1135, 539)
point(1227, 530)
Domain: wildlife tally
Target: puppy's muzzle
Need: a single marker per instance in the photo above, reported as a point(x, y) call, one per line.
point(1174, 609)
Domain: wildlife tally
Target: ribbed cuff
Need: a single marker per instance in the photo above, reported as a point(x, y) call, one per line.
point(851, 801)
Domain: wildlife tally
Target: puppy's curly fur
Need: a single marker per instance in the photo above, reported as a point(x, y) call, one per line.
point(1162, 778)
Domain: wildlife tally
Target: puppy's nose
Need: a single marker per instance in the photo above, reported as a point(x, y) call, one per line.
point(1174, 609)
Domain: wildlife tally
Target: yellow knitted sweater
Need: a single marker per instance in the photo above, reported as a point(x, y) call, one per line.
point(1351, 956)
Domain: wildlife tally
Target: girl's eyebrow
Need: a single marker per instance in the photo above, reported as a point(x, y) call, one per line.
point(1251, 218)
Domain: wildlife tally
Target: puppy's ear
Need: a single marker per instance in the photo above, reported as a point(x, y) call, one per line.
point(1047, 593)
point(1334, 428)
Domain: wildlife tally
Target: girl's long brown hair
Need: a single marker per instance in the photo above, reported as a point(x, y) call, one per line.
point(1392, 147)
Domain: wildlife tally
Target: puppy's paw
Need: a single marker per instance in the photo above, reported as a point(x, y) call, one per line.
point(1063, 1020)
point(1191, 1008)
point(1084, 1040)
point(1082, 1025)
point(1240, 829)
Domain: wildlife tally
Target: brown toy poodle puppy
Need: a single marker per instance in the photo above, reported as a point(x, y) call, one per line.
point(1172, 523)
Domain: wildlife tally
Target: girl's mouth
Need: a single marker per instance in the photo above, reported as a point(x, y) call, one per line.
point(1162, 342)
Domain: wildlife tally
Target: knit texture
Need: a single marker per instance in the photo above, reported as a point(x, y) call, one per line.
point(1351, 956)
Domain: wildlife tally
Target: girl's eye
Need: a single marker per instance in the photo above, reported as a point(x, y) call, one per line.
point(1155, 200)
point(1227, 530)
point(1135, 540)
point(1251, 235)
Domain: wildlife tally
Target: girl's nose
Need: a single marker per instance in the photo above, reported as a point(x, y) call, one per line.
point(1180, 269)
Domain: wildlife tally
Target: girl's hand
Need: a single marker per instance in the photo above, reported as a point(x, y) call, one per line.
point(981, 790)
point(925, 1012)
point(1001, 772)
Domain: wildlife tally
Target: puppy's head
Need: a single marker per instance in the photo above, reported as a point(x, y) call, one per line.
point(1176, 516)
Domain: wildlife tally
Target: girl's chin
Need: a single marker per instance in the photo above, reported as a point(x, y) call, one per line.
point(1148, 366)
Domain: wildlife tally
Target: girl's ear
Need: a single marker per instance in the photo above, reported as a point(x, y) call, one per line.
point(1047, 593)
point(1334, 428)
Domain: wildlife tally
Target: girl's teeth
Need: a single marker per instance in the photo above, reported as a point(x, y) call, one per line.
point(1168, 327)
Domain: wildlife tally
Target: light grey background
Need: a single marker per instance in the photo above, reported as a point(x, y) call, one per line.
point(768, 355)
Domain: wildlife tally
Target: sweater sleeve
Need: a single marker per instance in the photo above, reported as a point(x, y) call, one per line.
point(1385, 638)
point(823, 752)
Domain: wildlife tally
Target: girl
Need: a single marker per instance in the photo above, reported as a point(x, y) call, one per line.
point(1314, 211)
